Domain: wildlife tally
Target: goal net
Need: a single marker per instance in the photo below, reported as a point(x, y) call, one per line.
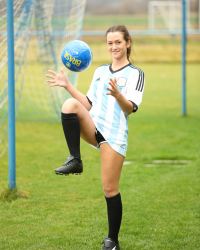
point(166, 15)
point(41, 29)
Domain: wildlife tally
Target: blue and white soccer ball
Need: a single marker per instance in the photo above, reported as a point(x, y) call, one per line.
point(76, 55)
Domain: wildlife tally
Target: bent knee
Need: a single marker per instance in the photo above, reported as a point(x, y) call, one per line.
point(70, 106)
point(110, 190)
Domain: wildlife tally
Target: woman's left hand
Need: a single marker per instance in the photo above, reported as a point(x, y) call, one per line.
point(114, 90)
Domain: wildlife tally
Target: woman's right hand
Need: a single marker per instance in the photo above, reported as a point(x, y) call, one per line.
point(58, 80)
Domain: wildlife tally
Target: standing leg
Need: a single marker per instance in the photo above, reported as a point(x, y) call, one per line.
point(111, 166)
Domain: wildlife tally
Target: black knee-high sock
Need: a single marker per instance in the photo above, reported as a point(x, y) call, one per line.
point(114, 208)
point(71, 128)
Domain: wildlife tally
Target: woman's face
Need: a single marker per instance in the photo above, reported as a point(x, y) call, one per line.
point(117, 46)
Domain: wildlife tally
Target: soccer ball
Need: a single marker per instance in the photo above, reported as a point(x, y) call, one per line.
point(76, 56)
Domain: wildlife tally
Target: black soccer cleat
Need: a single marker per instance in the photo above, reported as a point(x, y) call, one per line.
point(71, 166)
point(109, 244)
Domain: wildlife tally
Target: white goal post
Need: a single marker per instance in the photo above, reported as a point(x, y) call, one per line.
point(167, 14)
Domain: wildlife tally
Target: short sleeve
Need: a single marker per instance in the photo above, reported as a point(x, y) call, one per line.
point(90, 93)
point(135, 88)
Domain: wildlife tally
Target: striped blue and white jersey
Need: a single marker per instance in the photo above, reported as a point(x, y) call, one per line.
point(108, 117)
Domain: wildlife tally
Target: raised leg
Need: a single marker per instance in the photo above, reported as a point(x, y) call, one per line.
point(76, 122)
point(87, 127)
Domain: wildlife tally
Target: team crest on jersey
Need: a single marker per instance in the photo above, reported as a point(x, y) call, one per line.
point(121, 82)
point(68, 65)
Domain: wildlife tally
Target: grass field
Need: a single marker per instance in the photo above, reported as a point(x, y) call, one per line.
point(161, 202)
point(131, 21)
point(160, 181)
point(151, 49)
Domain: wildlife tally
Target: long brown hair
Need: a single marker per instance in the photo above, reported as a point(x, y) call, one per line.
point(127, 37)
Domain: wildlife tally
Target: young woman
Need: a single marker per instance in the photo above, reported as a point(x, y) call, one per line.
point(115, 92)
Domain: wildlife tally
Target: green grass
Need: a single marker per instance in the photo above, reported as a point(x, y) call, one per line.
point(151, 50)
point(131, 21)
point(12, 194)
point(160, 204)
point(97, 22)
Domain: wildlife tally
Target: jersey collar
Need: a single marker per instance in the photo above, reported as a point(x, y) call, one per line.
point(110, 68)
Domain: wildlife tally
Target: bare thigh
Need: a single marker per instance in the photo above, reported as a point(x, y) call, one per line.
point(87, 125)
point(111, 166)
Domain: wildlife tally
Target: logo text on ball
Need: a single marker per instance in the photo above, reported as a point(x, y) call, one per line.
point(72, 59)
